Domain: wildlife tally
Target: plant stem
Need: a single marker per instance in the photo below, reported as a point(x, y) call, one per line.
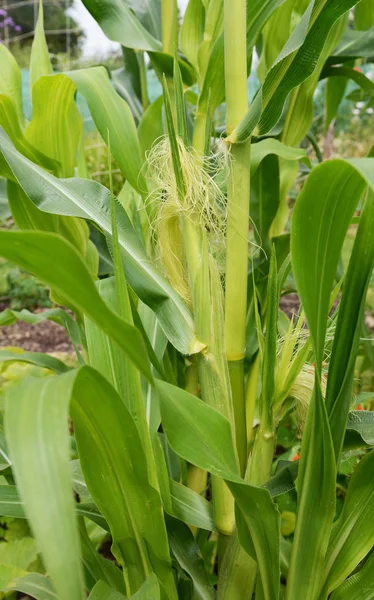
point(251, 396)
point(143, 80)
point(239, 571)
point(238, 213)
point(236, 371)
point(170, 27)
point(196, 478)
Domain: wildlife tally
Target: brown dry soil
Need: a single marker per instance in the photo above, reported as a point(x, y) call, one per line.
point(50, 337)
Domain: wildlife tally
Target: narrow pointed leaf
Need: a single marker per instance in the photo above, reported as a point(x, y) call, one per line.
point(348, 326)
point(38, 440)
point(201, 435)
point(359, 586)
point(352, 536)
point(120, 24)
point(35, 358)
point(90, 200)
point(55, 262)
point(35, 585)
point(10, 80)
point(56, 124)
point(295, 64)
point(40, 63)
point(187, 553)
point(112, 114)
point(102, 591)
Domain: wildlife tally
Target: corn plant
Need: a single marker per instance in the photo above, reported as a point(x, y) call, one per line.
point(187, 370)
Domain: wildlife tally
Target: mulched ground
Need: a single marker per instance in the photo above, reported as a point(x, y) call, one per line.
point(43, 337)
point(50, 337)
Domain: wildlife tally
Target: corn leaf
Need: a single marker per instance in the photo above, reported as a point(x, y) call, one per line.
point(334, 94)
point(40, 63)
point(56, 124)
point(192, 31)
point(120, 24)
point(35, 358)
point(258, 13)
point(9, 122)
point(124, 86)
point(100, 568)
point(151, 125)
point(359, 586)
point(55, 262)
point(112, 362)
point(12, 506)
point(360, 429)
point(264, 201)
point(112, 116)
point(348, 326)
point(270, 146)
point(109, 442)
point(190, 507)
point(355, 44)
point(316, 502)
point(201, 435)
point(90, 200)
point(38, 442)
point(352, 536)
point(36, 585)
point(322, 214)
point(364, 15)
point(187, 553)
point(10, 81)
point(295, 64)
point(102, 591)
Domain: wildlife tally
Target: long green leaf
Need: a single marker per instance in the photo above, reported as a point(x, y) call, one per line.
point(295, 64)
point(360, 429)
point(38, 440)
point(55, 262)
point(320, 222)
point(321, 217)
point(359, 586)
point(109, 443)
point(112, 116)
point(355, 44)
point(99, 567)
point(151, 125)
point(201, 435)
point(11, 505)
point(35, 585)
point(35, 358)
point(187, 553)
point(352, 536)
point(190, 507)
point(316, 503)
point(364, 15)
point(348, 327)
point(101, 591)
point(271, 146)
point(90, 200)
point(192, 30)
point(10, 80)
point(120, 24)
point(56, 124)
point(9, 121)
point(258, 12)
point(40, 63)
